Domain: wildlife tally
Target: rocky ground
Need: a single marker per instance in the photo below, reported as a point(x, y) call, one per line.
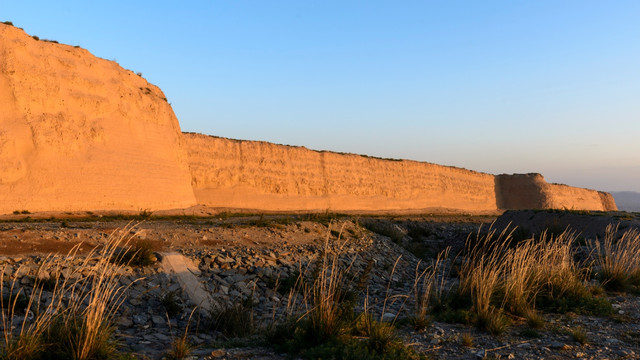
point(258, 258)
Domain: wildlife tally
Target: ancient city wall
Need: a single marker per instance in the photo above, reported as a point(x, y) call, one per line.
point(264, 176)
point(81, 133)
point(260, 175)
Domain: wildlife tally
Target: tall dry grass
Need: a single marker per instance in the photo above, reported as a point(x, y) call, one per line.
point(428, 287)
point(541, 267)
point(87, 322)
point(481, 274)
point(23, 328)
point(561, 275)
point(618, 257)
point(500, 275)
point(76, 319)
point(324, 297)
point(523, 276)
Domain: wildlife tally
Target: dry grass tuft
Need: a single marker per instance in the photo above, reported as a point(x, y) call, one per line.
point(618, 258)
point(76, 319)
point(481, 275)
point(428, 287)
point(500, 275)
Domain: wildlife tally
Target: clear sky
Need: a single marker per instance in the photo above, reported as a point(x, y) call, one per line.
point(494, 86)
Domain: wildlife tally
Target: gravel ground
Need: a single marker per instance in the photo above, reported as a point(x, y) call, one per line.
point(241, 258)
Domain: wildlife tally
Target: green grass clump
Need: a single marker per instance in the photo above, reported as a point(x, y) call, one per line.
point(284, 285)
point(327, 328)
point(579, 335)
point(233, 320)
point(364, 339)
point(530, 333)
point(170, 302)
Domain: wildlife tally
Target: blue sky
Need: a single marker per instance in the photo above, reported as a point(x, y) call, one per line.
point(494, 86)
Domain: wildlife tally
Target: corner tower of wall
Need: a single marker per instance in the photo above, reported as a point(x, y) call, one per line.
point(531, 191)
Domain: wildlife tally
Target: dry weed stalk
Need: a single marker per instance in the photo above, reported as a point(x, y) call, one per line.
point(181, 347)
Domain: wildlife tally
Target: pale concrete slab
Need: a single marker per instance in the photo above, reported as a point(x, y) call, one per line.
point(186, 272)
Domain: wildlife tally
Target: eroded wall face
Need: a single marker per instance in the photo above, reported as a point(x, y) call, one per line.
point(81, 133)
point(260, 175)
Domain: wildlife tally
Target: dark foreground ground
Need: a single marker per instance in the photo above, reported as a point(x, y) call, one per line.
point(251, 263)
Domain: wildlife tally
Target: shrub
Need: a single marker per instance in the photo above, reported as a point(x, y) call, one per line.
point(466, 340)
point(139, 253)
point(145, 214)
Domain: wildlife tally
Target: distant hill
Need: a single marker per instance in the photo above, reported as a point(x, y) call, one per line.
point(627, 200)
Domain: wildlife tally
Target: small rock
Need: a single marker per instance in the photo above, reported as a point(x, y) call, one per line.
point(140, 319)
point(158, 321)
point(217, 353)
point(124, 321)
point(388, 317)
